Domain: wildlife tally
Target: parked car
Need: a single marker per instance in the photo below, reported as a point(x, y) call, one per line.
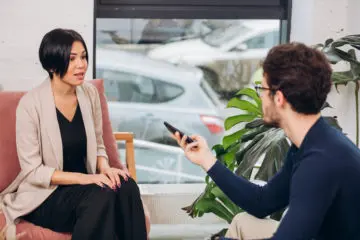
point(142, 93)
point(227, 55)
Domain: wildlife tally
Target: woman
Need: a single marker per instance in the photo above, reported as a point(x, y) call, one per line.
point(66, 183)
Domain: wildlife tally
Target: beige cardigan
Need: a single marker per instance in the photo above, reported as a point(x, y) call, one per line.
point(39, 146)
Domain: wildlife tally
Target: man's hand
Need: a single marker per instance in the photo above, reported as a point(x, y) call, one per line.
point(3, 234)
point(197, 152)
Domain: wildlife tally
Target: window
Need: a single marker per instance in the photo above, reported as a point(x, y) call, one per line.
point(129, 87)
point(195, 55)
point(265, 40)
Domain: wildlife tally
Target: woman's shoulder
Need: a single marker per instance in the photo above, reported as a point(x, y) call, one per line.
point(32, 96)
point(90, 90)
point(89, 87)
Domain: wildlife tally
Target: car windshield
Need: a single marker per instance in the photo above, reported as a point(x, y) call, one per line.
point(223, 35)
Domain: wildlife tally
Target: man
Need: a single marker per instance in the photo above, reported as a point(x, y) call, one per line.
point(319, 182)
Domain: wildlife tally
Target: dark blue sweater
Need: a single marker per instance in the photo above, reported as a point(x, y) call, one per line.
point(319, 183)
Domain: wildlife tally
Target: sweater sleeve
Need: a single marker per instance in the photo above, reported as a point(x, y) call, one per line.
point(313, 188)
point(259, 201)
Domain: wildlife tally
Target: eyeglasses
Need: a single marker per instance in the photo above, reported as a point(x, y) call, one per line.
point(260, 89)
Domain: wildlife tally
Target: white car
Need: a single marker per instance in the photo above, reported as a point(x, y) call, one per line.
point(142, 93)
point(227, 55)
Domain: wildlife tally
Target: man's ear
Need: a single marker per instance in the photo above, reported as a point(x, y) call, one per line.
point(279, 99)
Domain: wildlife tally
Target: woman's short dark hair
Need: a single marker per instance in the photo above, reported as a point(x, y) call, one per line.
point(301, 73)
point(55, 50)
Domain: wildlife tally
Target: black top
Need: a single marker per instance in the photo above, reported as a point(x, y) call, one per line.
point(319, 183)
point(73, 137)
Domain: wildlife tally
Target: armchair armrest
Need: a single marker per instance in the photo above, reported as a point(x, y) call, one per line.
point(128, 137)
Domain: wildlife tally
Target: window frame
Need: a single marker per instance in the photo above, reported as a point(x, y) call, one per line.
point(189, 9)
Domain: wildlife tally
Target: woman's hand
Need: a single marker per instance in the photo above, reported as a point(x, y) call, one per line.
point(98, 179)
point(126, 171)
point(114, 175)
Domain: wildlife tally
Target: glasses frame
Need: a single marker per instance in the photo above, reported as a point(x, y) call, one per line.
point(259, 89)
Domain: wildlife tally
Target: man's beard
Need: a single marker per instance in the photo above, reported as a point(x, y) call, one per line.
point(274, 124)
point(273, 119)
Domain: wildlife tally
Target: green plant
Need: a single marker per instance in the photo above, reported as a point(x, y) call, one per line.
point(251, 141)
point(343, 50)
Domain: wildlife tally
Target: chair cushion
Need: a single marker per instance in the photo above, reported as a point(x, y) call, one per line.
point(35, 232)
point(8, 156)
point(9, 164)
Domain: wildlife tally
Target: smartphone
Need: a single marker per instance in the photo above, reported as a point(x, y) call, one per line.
point(173, 129)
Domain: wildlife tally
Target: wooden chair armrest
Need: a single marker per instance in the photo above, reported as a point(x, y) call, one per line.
point(128, 137)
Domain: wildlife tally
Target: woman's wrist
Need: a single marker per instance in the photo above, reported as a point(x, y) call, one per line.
point(102, 164)
point(80, 178)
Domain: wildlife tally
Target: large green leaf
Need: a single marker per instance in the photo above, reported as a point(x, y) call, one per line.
point(232, 121)
point(255, 123)
point(352, 40)
point(234, 137)
point(239, 156)
point(331, 55)
point(244, 105)
point(270, 139)
point(333, 122)
point(226, 201)
point(341, 78)
point(251, 93)
point(253, 133)
point(208, 205)
point(273, 160)
point(219, 149)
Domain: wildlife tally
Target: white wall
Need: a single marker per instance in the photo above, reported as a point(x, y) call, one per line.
point(22, 26)
point(313, 22)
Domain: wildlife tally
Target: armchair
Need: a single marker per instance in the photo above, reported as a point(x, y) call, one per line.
point(9, 164)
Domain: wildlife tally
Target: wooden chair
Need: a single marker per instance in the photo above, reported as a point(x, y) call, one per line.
point(128, 137)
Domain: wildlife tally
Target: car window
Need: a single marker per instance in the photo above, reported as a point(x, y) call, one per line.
point(167, 91)
point(127, 87)
point(265, 40)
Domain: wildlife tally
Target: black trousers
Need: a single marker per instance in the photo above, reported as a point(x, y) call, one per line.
point(90, 212)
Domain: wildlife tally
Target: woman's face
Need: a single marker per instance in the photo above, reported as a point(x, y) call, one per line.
point(77, 65)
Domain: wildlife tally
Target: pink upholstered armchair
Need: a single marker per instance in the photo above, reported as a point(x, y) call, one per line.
point(9, 164)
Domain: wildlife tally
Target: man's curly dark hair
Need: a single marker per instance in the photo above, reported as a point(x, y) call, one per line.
point(301, 73)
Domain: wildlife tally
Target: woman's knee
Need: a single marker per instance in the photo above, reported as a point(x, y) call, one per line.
point(130, 186)
point(100, 195)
